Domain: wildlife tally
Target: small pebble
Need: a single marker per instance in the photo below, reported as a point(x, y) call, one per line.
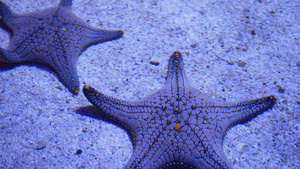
point(78, 151)
point(280, 89)
point(194, 45)
point(154, 63)
point(298, 63)
point(230, 62)
point(40, 145)
point(84, 129)
point(242, 64)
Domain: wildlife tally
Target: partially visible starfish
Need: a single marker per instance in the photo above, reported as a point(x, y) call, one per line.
point(54, 36)
point(177, 126)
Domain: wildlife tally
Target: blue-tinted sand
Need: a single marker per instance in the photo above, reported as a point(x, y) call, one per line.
point(42, 125)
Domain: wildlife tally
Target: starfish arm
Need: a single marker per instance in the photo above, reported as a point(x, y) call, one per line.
point(5, 13)
point(95, 36)
point(177, 81)
point(10, 57)
point(66, 3)
point(122, 112)
point(214, 158)
point(232, 113)
point(67, 75)
point(65, 69)
point(84, 33)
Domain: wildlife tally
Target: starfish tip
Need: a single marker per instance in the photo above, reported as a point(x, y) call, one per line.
point(176, 54)
point(120, 33)
point(273, 98)
point(86, 87)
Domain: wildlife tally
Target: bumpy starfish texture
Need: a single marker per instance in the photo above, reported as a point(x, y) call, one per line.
point(54, 36)
point(177, 126)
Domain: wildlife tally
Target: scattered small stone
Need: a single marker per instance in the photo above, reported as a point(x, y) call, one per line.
point(241, 63)
point(154, 3)
point(298, 101)
point(202, 12)
point(298, 63)
point(280, 89)
point(78, 152)
point(246, 10)
point(230, 62)
point(84, 129)
point(194, 45)
point(154, 63)
point(271, 11)
point(40, 145)
point(115, 89)
point(253, 32)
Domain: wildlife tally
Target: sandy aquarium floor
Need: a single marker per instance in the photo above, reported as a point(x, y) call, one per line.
point(234, 49)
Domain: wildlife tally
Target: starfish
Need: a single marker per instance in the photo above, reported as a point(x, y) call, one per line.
point(177, 126)
point(54, 37)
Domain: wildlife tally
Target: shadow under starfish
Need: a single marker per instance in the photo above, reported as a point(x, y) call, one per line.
point(54, 37)
point(177, 126)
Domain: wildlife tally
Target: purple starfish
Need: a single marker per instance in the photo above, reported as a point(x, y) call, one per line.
point(177, 126)
point(54, 36)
